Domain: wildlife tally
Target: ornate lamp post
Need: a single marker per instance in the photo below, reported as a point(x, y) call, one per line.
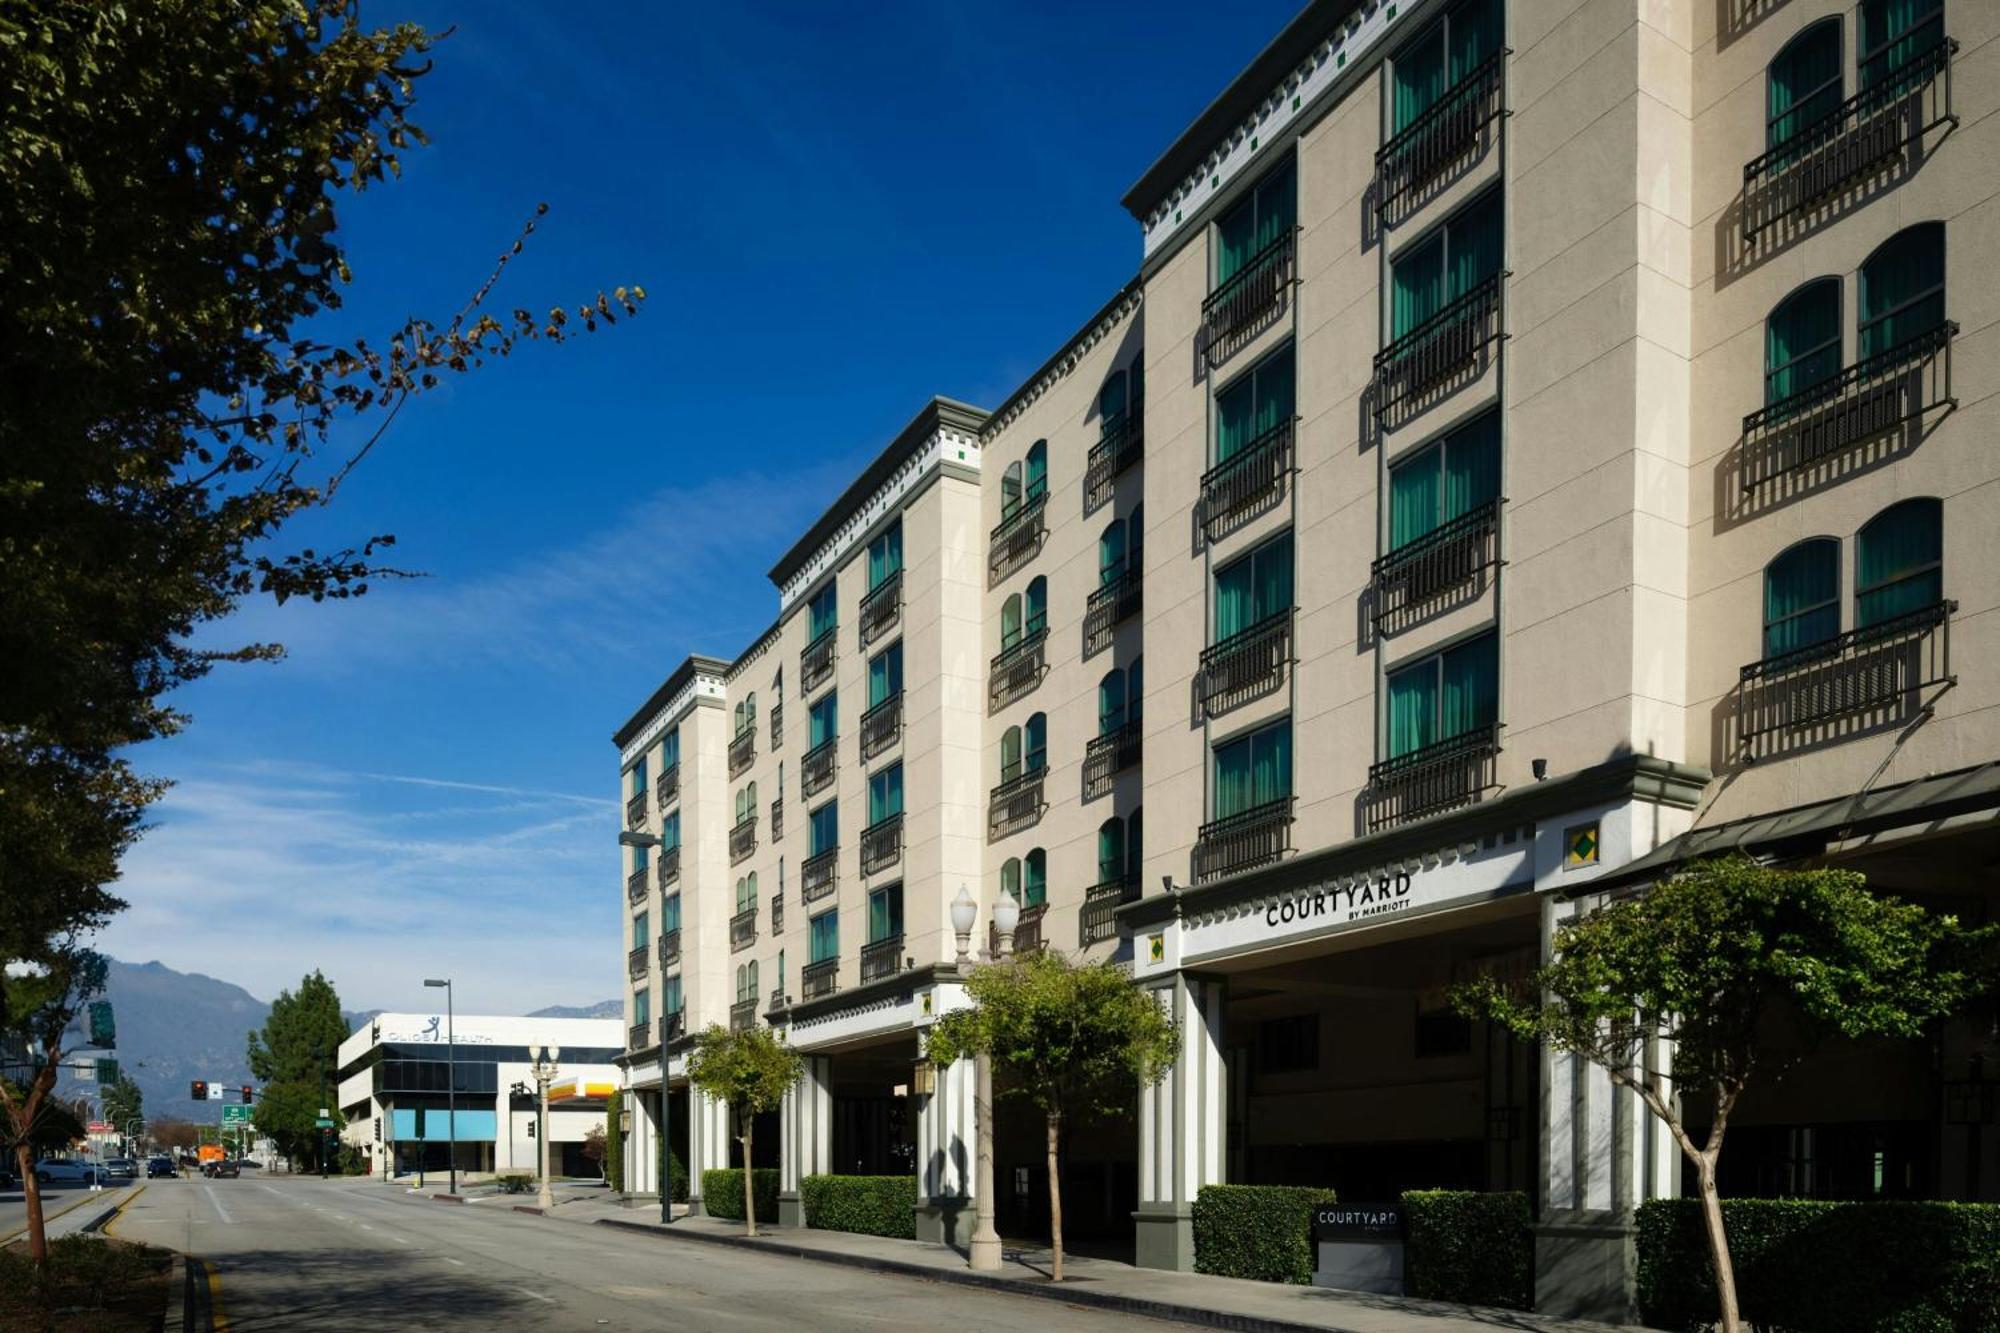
point(451, 1081)
point(984, 1253)
point(544, 1069)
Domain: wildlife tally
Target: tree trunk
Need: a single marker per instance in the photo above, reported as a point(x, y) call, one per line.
point(1718, 1243)
point(1055, 1198)
point(749, 1194)
point(31, 1191)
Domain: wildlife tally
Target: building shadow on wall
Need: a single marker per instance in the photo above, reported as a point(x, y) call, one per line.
point(1736, 19)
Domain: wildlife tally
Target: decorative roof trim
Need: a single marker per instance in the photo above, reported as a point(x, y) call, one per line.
point(1095, 330)
point(704, 683)
point(676, 688)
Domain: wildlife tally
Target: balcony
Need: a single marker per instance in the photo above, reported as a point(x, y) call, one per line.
point(1106, 756)
point(667, 786)
point(670, 948)
point(670, 864)
point(1439, 354)
point(777, 914)
point(673, 1026)
point(1430, 150)
point(1855, 682)
point(778, 725)
point(1825, 426)
point(743, 838)
point(816, 769)
point(1247, 665)
point(635, 886)
point(881, 726)
point(882, 959)
point(1016, 803)
point(1121, 445)
point(1099, 920)
point(777, 1005)
point(819, 979)
point(1877, 130)
point(743, 1015)
point(777, 819)
point(743, 929)
point(636, 1035)
point(1017, 537)
point(1243, 841)
point(1447, 775)
point(1027, 933)
point(636, 961)
point(816, 659)
point(882, 844)
point(1247, 482)
point(635, 810)
point(881, 608)
point(1114, 601)
point(1014, 672)
point(1436, 570)
point(742, 751)
point(1249, 302)
point(818, 875)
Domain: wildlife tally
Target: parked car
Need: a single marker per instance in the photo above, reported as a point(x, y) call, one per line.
point(160, 1166)
point(227, 1166)
point(121, 1168)
point(51, 1170)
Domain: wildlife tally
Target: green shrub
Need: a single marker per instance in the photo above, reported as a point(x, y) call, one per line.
point(722, 1193)
point(867, 1205)
point(1808, 1264)
point(677, 1176)
point(514, 1182)
point(614, 1141)
point(1256, 1231)
point(1469, 1247)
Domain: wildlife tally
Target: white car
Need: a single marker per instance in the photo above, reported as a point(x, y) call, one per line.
point(53, 1169)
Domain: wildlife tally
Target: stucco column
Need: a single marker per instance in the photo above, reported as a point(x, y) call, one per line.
point(708, 1144)
point(805, 1136)
point(1181, 1123)
point(945, 1146)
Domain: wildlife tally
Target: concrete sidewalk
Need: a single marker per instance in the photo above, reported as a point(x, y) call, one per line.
point(1192, 1298)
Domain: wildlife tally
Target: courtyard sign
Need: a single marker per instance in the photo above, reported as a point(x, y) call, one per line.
point(1344, 902)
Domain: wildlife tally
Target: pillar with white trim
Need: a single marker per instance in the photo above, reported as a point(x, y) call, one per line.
point(805, 1138)
point(947, 1139)
point(1181, 1124)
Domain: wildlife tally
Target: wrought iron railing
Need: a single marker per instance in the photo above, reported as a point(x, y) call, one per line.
point(883, 958)
point(777, 818)
point(742, 750)
point(669, 863)
point(1242, 841)
point(635, 810)
point(670, 947)
point(778, 724)
point(777, 1004)
point(816, 659)
point(743, 838)
point(673, 1026)
point(1028, 930)
point(637, 960)
point(1106, 756)
point(1101, 901)
point(818, 875)
point(819, 979)
point(667, 786)
point(1864, 402)
point(816, 767)
point(1446, 136)
point(1120, 446)
point(1017, 536)
point(636, 1035)
point(881, 726)
point(1437, 352)
point(881, 608)
point(1016, 803)
point(1016, 670)
point(743, 928)
point(1246, 304)
point(1115, 600)
point(1861, 677)
point(635, 885)
point(1426, 571)
point(743, 1015)
point(1446, 775)
point(882, 843)
point(1249, 479)
point(1247, 665)
point(777, 914)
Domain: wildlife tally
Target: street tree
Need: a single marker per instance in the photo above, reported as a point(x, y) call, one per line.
point(594, 1150)
point(1075, 1040)
point(43, 1003)
point(1703, 963)
point(296, 1057)
point(174, 1134)
point(123, 1102)
point(749, 1071)
point(614, 1140)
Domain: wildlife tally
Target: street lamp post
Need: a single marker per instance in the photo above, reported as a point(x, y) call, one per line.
point(450, 1083)
point(545, 1058)
point(666, 1113)
point(984, 1254)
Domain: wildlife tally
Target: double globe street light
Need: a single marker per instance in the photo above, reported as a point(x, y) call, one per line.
point(984, 1253)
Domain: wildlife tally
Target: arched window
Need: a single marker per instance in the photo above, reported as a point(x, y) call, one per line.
point(1036, 606)
point(1111, 552)
point(751, 967)
point(1134, 858)
point(1010, 877)
point(1111, 702)
point(1010, 490)
point(1010, 621)
point(1035, 878)
point(741, 976)
point(1035, 743)
point(1010, 754)
point(1902, 289)
point(750, 708)
point(753, 889)
point(1899, 562)
point(1802, 84)
point(1802, 597)
point(1135, 689)
point(1111, 400)
point(1035, 483)
point(750, 801)
point(1802, 340)
point(1111, 851)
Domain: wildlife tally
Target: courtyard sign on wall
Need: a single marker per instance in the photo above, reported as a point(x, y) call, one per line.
point(1344, 902)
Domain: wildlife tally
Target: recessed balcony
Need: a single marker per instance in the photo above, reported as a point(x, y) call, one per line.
point(742, 751)
point(667, 786)
point(637, 961)
point(1108, 755)
point(882, 959)
point(1437, 570)
point(743, 839)
point(1016, 538)
point(1247, 665)
point(882, 844)
point(743, 1015)
point(1248, 482)
point(1016, 803)
point(1028, 931)
point(673, 1026)
point(1015, 671)
point(1120, 447)
point(1440, 143)
point(777, 914)
point(1243, 841)
point(881, 608)
point(743, 929)
point(778, 818)
point(816, 768)
point(1854, 682)
point(816, 659)
point(1443, 776)
point(817, 875)
point(1115, 600)
point(1445, 351)
point(1250, 301)
point(819, 979)
point(635, 886)
point(881, 726)
point(1099, 919)
point(669, 862)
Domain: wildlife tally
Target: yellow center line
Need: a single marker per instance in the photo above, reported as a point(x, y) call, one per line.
point(119, 1212)
point(217, 1320)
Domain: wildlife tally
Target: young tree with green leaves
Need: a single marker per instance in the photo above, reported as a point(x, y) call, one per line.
point(749, 1071)
point(1703, 961)
point(297, 1060)
point(614, 1141)
point(43, 1002)
point(123, 1102)
point(1075, 1041)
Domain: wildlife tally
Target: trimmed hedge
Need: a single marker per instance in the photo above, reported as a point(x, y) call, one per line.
point(677, 1176)
point(1469, 1247)
point(1263, 1232)
point(866, 1205)
point(1808, 1264)
point(722, 1193)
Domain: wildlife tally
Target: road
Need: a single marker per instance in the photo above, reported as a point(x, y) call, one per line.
point(56, 1200)
point(296, 1252)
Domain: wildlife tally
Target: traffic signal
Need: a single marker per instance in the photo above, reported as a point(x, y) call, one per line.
point(103, 1029)
point(531, 1129)
point(198, 1090)
point(107, 1071)
point(248, 1094)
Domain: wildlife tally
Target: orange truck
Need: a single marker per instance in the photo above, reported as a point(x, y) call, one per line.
point(210, 1152)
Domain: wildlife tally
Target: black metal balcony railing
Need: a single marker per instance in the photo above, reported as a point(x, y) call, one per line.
point(883, 958)
point(1242, 841)
point(636, 1035)
point(1121, 445)
point(819, 979)
point(1865, 401)
point(816, 768)
point(1108, 755)
point(816, 659)
point(1857, 679)
point(1101, 901)
point(1245, 305)
point(635, 810)
point(1428, 571)
point(1028, 930)
point(743, 838)
point(1016, 803)
point(1449, 135)
point(1015, 671)
point(743, 1015)
point(1247, 665)
point(818, 875)
point(673, 1026)
point(778, 819)
point(777, 1004)
point(1243, 484)
point(777, 914)
point(670, 947)
point(743, 928)
point(881, 726)
point(882, 844)
point(881, 608)
point(669, 862)
point(1017, 536)
point(1116, 599)
point(778, 725)
point(1446, 775)
point(667, 786)
point(742, 750)
point(636, 961)
point(1438, 352)
point(635, 885)
point(1870, 132)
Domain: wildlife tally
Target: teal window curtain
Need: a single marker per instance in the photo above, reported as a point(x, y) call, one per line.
point(1010, 621)
point(639, 861)
point(670, 831)
point(825, 936)
point(1010, 490)
point(1036, 605)
point(1474, 34)
point(1803, 83)
point(639, 777)
point(1443, 57)
point(1111, 850)
point(885, 674)
point(1111, 702)
point(1448, 481)
point(885, 913)
point(1035, 878)
point(1902, 289)
point(1899, 562)
point(821, 612)
point(751, 968)
point(1254, 403)
point(642, 1007)
point(670, 913)
point(1010, 754)
point(1266, 213)
point(1010, 877)
point(823, 721)
point(670, 995)
point(1893, 33)
point(1037, 479)
point(1802, 597)
point(1413, 708)
point(1465, 253)
point(1035, 742)
point(670, 750)
point(1111, 552)
point(1472, 242)
point(1469, 687)
point(1802, 341)
point(1111, 399)
point(885, 794)
point(1254, 587)
point(1253, 770)
point(885, 555)
point(1416, 286)
point(1135, 860)
point(640, 926)
point(1414, 488)
point(823, 829)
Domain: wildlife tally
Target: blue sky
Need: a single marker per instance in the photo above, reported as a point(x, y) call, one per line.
point(837, 211)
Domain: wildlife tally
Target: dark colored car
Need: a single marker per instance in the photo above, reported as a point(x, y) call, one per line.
point(160, 1166)
point(228, 1166)
point(121, 1168)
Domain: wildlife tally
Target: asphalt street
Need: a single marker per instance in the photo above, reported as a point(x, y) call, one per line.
point(300, 1253)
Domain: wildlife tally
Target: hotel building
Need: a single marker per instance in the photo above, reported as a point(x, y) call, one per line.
point(1543, 440)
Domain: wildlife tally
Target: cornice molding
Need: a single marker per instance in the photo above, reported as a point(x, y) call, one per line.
point(1065, 361)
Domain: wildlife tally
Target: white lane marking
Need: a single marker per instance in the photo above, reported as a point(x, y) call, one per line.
point(400, 1240)
point(460, 1262)
point(547, 1300)
point(220, 1211)
point(365, 1227)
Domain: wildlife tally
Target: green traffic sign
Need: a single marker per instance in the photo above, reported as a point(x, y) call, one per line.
point(236, 1115)
point(322, 1122)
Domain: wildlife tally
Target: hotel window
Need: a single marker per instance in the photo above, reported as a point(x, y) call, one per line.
point(1134, 854)
point(1445, 696)
point(823, 721)
point(670, 832)
point(746, 893)
point(1444, 56)
point(1253, 770)
point(746, 802)
point(778, 982)
point(1035, 480)
point(823, 829)
point(746, 983)
point(1254, 404)
point(1111, 850)
point(885, 913)
point(1902, 289)
point(825, 937)
point(1252, 589)
point(1035, 606)
point(1035, 743)
point(1802, 597)
point(1264, 216)
point(1010, 491)
point(1110, 554)
point(885, 555)
point(1448, 480)
point(1455, 260)
point(670, 994)
point(1802, 340)
point(885, 794)
point(639, 861)
point(1010, 877)
point(1034, 878)
point(639, 777)
point(642, 1007)
point(1121, 389)
point(822, 612)
point(670, 749)
point(1803, 83)
point(885, 674)
point(1288, 1045)
point(1010, 621)
point(640, 927)
point(1111, 710)
point(1899, 562)
point(670, 913)
point(1893, 33)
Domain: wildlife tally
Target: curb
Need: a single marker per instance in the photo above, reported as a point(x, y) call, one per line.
point(47, 1217)
point(1067, 1293)
point(110, 1215)
point(175, 1320)
point(449, 1198)
point(528, 1208)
